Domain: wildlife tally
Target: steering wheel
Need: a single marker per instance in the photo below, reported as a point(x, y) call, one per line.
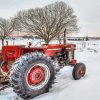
point(40, 44)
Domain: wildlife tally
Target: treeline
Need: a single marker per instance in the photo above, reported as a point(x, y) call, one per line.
point(46, 23)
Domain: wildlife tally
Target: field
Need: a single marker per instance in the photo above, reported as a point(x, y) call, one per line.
point(65, 87)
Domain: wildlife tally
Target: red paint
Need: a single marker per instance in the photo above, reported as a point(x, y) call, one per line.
point(36, 75)
point(4, 67)
point(73, 62)
point(13, 52)
point(80, 72)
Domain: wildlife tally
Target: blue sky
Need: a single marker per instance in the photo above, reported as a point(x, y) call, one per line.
point(88, 11)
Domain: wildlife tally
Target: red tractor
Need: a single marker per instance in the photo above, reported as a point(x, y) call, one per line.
point(31, 70)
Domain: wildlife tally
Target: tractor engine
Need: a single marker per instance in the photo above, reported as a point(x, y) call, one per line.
point(62, 57)
point(65, 56)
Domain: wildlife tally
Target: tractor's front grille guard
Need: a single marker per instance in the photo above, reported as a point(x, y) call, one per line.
point(71, 55)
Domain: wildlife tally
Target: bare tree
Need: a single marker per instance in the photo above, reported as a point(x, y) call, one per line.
point(48, 22)
point(6, 28)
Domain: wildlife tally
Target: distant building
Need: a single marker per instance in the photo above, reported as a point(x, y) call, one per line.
point(82, 38)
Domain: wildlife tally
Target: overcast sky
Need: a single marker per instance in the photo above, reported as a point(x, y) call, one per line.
point(88, 11)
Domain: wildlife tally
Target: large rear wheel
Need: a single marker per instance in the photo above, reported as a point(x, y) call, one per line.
point(32, 74)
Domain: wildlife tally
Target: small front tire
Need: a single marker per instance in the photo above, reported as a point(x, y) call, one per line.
point(79, 71)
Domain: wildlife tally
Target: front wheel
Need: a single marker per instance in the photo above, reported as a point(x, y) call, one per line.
point(32, 74)
point(79, 71)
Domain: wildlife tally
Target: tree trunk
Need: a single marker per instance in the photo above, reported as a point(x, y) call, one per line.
point(47, 41)
point(2, 42)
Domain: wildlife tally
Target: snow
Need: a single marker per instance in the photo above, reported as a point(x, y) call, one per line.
point(65, 87)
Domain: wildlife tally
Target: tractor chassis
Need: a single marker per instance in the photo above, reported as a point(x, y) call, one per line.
point(49, 56)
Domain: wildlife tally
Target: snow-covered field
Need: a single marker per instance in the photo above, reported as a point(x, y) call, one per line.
point(65, 87)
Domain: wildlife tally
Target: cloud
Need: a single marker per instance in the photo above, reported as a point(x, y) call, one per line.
point(88, 11)
point(9, 7)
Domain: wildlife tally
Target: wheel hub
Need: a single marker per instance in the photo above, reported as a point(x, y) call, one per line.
point(80, 72)
point(36, 75)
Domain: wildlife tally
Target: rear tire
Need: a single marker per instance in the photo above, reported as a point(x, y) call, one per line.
point(36, 65)
point(79, 71)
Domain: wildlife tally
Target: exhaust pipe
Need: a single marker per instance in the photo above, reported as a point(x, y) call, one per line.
point(64, 40)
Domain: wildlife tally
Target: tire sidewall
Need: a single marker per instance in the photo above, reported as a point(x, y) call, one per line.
point(76, 68)
point(26, 66)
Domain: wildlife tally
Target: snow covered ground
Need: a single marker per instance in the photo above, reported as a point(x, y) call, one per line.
point(66, 88)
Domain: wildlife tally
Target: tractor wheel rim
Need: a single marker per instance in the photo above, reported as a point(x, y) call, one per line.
point(80, 72)
point(38, 76)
